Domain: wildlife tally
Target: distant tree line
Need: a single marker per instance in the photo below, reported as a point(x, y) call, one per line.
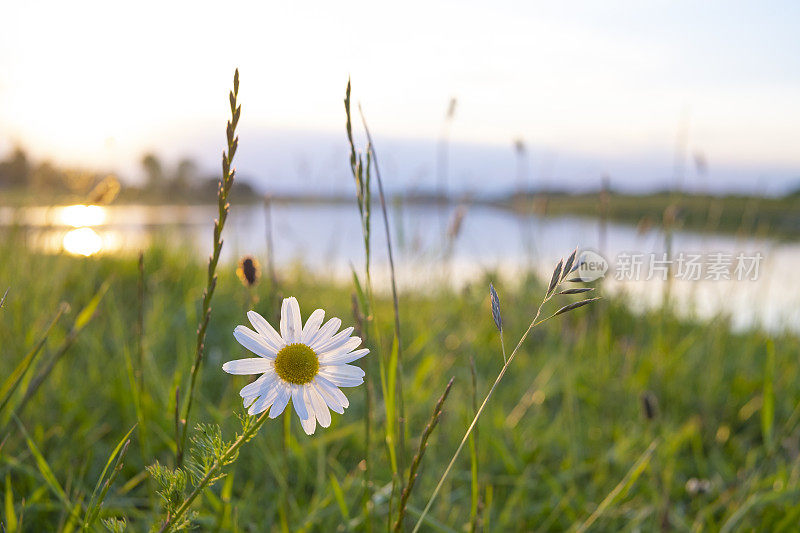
point(18, 171)
point(182, 182)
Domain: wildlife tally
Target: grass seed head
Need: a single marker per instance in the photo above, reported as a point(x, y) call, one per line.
point(498, 320)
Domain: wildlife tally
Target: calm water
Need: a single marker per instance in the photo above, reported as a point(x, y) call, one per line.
point(327, 240)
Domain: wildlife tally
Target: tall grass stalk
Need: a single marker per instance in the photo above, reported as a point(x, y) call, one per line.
point(136, 370)
point(558, 278)
point(225, 184)
point(395, 307)
point(361, 175)
point(140, 326)
point(473, 453)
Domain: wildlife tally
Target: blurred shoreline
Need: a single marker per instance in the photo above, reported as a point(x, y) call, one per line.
point(740, 215)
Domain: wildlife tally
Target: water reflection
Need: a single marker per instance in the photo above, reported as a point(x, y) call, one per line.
point(327, 240)
point(83, 241)
point(79, 216)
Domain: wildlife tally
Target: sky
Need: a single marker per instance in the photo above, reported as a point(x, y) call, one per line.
point(591, 87)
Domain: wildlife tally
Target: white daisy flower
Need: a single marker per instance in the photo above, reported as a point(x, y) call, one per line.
point(306, 364)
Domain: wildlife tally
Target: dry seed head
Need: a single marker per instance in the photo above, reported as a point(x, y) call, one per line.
point(451, 108)
point(248, 271)
point(454, 228)
point(649, 405)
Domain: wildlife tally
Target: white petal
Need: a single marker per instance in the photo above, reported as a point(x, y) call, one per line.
point(320, 408)
point(248, 401)
point(342, 347)
point(309, 425)
point(311, 328)
point(291, 324)
point(259, 386)
point(265, 329)
point(343, 357)
point(330, 389)
point(299, 402)
point(265, 401)
point(348, 371)
point(247, 366)
point(254, 342)
point(330, 400)
point(283, 393)
point(325, 333)
point(342, 375)
point(337, 340)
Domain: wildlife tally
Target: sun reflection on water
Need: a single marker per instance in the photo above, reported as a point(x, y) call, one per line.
point(83, 241)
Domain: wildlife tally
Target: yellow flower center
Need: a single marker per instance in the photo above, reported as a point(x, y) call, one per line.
point(297, 363)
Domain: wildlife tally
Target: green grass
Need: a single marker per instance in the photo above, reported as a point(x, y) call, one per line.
point(564, 432)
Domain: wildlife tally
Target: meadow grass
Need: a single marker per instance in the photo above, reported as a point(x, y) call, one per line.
point(565, 432)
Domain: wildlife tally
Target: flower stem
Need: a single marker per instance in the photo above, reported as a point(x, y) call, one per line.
point(213, 471)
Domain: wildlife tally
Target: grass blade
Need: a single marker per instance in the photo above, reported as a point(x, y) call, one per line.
point(94, 506)
point(15, 378)
point(11, 522)
point(45, 470)
point(83, 318)
point(768, 408)
point(88, 311)
point(630, 478)
point(338, 495)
